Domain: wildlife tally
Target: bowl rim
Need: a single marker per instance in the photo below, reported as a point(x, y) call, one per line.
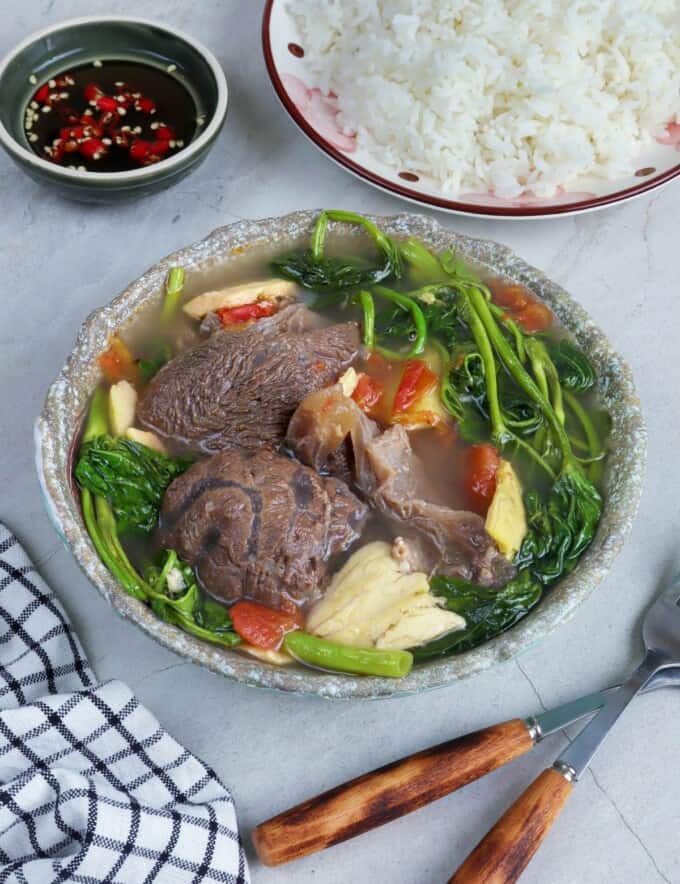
point(54, 431)
point(425, 199)
point(134, 175)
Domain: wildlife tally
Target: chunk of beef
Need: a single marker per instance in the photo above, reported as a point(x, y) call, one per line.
point(393, 479)
point(259, 525)
point(240, 388)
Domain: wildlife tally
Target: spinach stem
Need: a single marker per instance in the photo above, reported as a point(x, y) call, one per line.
point(416, 313)
point(174, 286)
point(592, 436)
point(368, 306)
point(520, 374)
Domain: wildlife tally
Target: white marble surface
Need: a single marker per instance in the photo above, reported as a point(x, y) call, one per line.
point(58, 261)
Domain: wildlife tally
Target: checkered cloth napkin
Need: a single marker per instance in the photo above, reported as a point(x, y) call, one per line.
point(92, 789)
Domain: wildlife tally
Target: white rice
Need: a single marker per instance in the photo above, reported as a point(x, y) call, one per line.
point(500, 96)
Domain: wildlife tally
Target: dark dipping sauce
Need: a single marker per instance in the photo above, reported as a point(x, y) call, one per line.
point(111, 116)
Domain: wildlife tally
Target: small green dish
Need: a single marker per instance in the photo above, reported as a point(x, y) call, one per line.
point(80, 41)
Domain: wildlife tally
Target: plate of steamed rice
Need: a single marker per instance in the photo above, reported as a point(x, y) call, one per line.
point(510, 108)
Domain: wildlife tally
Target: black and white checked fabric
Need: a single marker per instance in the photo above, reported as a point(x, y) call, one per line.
point(92, 789)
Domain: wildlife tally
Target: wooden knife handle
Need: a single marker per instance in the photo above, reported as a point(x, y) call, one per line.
point(398, 788)
point(503, 854)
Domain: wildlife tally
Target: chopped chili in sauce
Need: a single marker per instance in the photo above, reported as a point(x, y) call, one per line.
point(110, 116)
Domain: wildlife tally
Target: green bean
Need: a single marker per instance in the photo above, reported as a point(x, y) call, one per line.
point(325, 654)
point(174, 286)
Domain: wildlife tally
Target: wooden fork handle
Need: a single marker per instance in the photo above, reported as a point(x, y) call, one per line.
point(375, 798)
point(503, 854)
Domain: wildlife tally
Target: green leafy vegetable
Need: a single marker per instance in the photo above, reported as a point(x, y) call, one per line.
point(487, 612)
point(149, 367)
point(185, 607)
point(575, 370)
point(130, 476)
point(174, 597)
point(315, 270)
point(406, 303)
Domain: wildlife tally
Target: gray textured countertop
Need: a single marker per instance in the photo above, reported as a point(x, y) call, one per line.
point(58, 261)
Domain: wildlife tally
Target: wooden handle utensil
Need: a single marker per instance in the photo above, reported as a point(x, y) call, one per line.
point(503, 854)
point(398, 788)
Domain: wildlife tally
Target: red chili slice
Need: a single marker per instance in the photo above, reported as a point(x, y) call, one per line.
point(145, 105)
point(93, 148)
point(140, 150)
point(42, 96)
point(92, 92)
point(165, 133)
point(107, 104)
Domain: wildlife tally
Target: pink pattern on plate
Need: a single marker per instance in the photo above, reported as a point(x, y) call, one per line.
point(672, 135)
point(320, 111)
point(528, 198)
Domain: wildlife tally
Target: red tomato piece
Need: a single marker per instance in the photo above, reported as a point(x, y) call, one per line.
point(535, 318)
point(261, 626)
point(416, 381)
point(512, 297)
point(367, 392)
point(245, 313)
point(117, 363)
point(480, 477)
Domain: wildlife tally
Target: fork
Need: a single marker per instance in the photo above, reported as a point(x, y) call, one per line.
point(505, 851)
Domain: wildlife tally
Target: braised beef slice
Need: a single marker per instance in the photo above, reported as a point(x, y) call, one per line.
point(393, 480)
point(241, 387)
point(259, 525)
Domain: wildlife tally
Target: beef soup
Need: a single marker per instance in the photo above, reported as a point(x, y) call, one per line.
point(356, 458)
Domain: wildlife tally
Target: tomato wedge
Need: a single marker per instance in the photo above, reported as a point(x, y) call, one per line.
point(416, 381)
point(117, 363)
point(368, 392)
point(245, 313)
point(535, 317)
point(480, 476)
point(511, 296)
point(261, 626)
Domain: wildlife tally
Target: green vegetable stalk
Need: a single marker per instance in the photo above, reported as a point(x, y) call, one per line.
point(174, 286)
point(419, 323)
point(325, 654)
point(97, 514)
point(188, 611)
point(314, 269)
point(202, 618)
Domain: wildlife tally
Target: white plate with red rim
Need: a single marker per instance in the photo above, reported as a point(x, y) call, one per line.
point(315, 113)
